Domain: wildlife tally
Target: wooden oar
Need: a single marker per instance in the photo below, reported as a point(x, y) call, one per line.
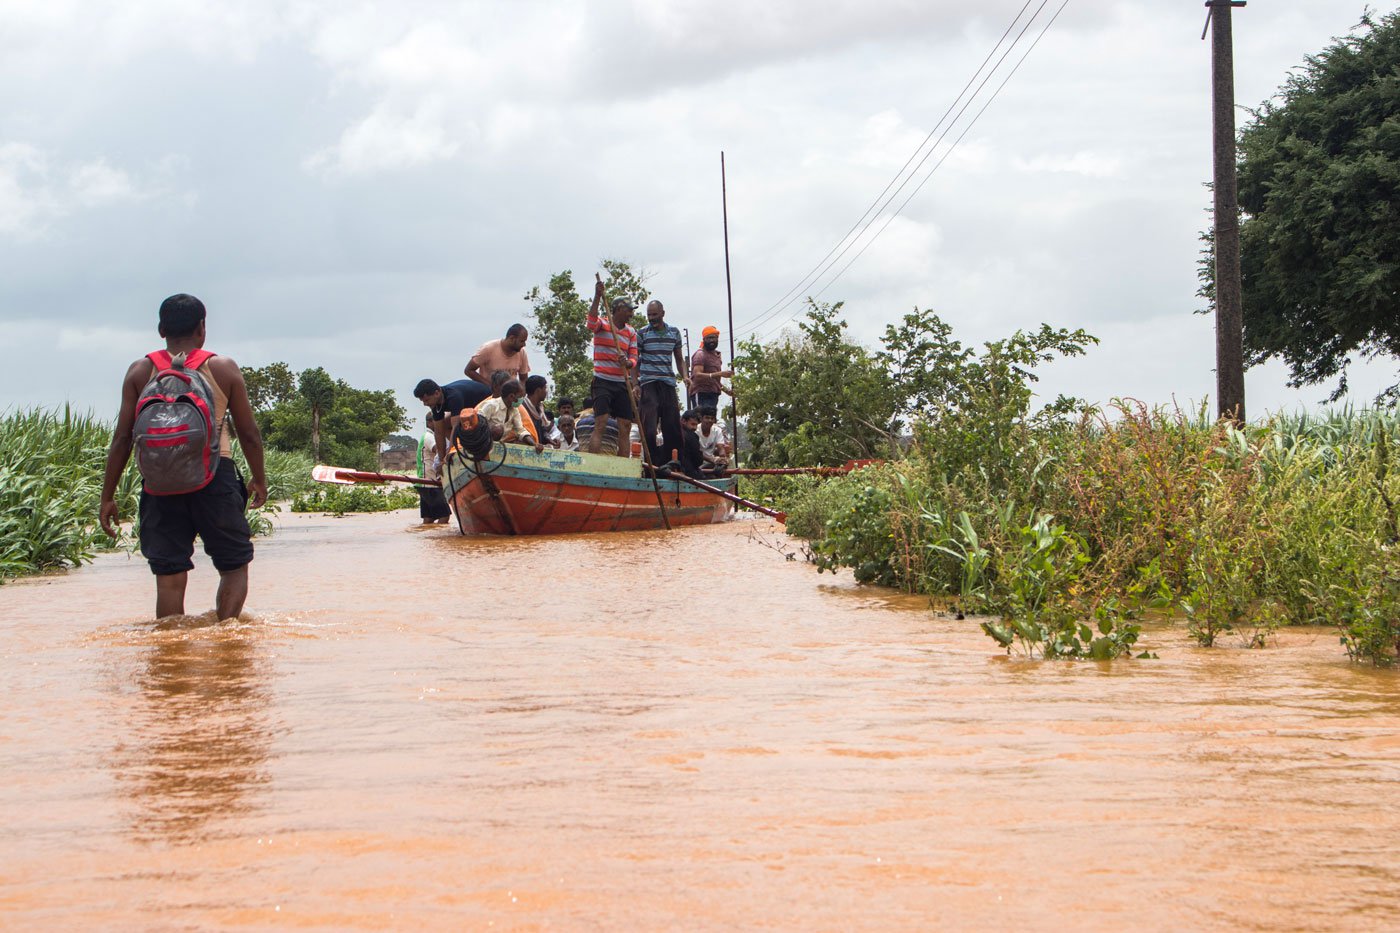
point(346, 477)
point(715, 490)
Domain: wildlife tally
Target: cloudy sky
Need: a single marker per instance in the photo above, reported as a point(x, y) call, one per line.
point(372, 187)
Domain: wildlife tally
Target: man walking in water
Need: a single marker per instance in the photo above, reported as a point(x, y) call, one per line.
point(173, 511)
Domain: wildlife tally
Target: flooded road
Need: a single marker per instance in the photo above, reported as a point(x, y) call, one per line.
point(665, 730)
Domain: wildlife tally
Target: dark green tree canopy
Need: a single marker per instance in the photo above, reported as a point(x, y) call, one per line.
point(269, 385)
point(349, 423)
point(821, 398)
point(816, 398)
point(1319, 183)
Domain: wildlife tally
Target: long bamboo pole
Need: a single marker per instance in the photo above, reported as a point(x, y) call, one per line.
point(729, 292)
point(737, 500)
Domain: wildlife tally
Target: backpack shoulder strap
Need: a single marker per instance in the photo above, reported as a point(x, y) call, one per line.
point(160, 359)
point(197, 358)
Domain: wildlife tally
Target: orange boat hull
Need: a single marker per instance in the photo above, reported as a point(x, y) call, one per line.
point(520, 492)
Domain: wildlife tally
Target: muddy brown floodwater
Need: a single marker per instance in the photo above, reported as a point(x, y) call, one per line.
point(412, 730)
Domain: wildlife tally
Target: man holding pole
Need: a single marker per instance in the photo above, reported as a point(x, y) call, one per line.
point(614, 358)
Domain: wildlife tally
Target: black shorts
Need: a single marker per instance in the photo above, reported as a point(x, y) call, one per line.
point(610, 398)
point(215, 513)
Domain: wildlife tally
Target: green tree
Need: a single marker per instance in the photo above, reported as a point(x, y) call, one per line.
point(820, 398)
point(816, 398)
point(561, 328)
point(351, 429)
point(562, 333)
point(269, 385)
point(1319, 182)
point(317, 389)
point(975, 410)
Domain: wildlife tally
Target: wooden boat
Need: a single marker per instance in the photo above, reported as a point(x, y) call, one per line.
point(518, 491)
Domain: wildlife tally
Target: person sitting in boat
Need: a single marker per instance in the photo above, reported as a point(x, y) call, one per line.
point(692, 456)
point(536, 388)
point(565, 406)
point(567, 439)
point(444, 402)
point(504, 411)
point(583, 427)
point(614, 363)
point(713, 443)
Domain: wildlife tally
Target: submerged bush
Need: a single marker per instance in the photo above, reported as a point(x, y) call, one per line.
point(338, 500)
point(1078, 529)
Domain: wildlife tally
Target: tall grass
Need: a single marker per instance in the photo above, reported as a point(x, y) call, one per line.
point(1070, 532)
point(51, 466)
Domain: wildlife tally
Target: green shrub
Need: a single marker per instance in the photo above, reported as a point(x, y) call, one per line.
point(1289, 521)
point(338, 500)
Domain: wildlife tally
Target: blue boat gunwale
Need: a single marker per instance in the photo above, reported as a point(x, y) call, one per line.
point(464, 474)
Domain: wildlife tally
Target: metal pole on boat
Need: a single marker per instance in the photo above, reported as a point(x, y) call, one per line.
point(729, 292)
point(689, 395)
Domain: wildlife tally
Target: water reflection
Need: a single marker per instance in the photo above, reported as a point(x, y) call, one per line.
point(198, 741)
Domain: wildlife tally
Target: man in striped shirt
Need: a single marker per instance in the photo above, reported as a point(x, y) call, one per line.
point(614, 359)
point(659, 344)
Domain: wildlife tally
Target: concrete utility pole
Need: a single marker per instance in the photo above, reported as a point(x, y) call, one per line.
point(1229, 313)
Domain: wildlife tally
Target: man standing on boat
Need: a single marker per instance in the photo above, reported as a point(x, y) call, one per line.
point(508, 353)
point(614, 359)
point(707, 369)
point(660, 343)
point(173, 385)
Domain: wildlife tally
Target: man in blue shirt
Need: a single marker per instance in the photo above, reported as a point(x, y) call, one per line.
point(658, 345)
point(445, 403)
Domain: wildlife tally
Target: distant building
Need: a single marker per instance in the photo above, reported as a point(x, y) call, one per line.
point(398, 461)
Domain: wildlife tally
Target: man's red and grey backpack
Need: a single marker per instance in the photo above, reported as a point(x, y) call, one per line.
point(175, 433)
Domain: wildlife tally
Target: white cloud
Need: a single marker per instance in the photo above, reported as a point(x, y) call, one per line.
point(1088, 164)
point(97, 183)
point(388, 141)
point(32, 198)
point(123, 341)
point(285, 158)
point(25, 200)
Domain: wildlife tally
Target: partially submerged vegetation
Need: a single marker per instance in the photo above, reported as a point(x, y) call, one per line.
point(1077, 526)
point(338, 500)
point(51, 466)
point(1067, 523)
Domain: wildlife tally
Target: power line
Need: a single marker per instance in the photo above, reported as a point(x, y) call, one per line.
point(929, 175)
point(817, 270)
point(881, 202)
